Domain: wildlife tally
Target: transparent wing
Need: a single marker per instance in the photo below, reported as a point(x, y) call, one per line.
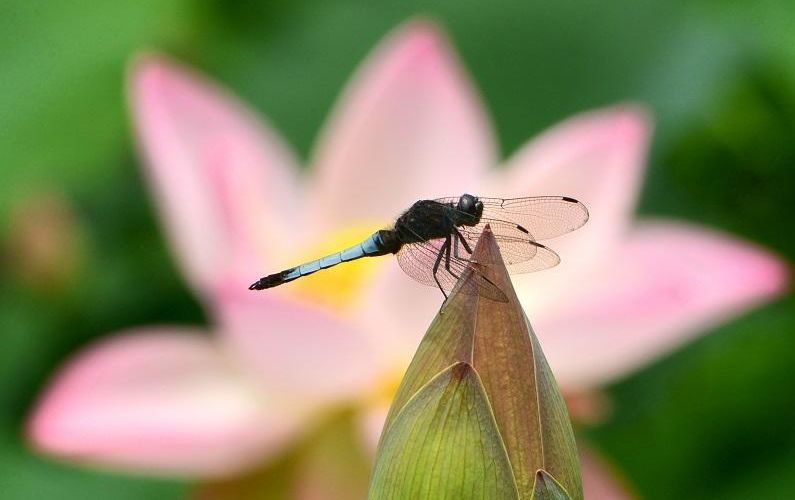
point(518, 224)
point(521, 253)
point(542, 217)
point(419, 259)
point(544, 257)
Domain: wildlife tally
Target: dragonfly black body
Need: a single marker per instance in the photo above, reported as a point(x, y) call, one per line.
point(433, 239)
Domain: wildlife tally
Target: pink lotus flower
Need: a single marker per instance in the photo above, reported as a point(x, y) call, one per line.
point(235, 206)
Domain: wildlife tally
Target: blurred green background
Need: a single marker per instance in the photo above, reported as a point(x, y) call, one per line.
point(713, 420)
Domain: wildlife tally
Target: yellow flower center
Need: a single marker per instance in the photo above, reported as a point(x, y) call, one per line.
point(388, 385)
point(338, 286)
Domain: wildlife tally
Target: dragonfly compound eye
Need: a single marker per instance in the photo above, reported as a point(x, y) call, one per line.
point(467, 203)
point(478, 209)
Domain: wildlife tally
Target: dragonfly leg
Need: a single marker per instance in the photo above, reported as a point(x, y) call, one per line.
point(447, 257)
point(456, 239)
point(457, 236)
point(464, 242)
point(445, 247)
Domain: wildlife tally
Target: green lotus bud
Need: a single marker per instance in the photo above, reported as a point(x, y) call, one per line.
point(478, 413)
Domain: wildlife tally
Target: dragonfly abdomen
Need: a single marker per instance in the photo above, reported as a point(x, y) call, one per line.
point(379, 243)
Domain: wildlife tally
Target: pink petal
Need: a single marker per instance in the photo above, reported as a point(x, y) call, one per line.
point(165, 401)
point(666, 284)
point(597, 158)
point(599, 481)
point(225, 183)
point(312, 356)
point(409, 126)
point(400, 310)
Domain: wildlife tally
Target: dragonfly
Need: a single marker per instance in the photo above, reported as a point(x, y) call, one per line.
point(433, 240)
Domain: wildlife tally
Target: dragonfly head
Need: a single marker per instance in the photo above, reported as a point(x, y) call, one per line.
point(471, 206)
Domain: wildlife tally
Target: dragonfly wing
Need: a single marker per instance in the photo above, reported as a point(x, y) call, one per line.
point(419, 259)
point(503, 230)
point(543, 217)
point(544, 258)
point(522, 254)
point(518, 223)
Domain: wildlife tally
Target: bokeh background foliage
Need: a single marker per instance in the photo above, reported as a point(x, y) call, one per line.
point(713, 420)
